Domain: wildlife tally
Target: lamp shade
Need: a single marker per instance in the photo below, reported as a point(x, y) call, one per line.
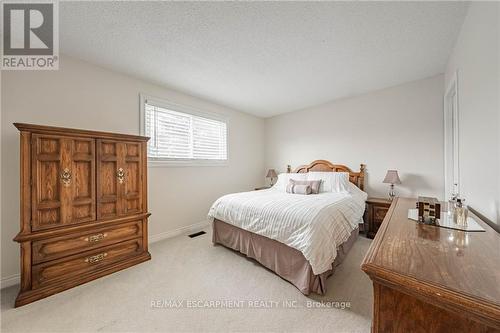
point(271, 173)
point(392, 177)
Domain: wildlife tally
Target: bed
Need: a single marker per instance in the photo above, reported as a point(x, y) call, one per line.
point(302, 238)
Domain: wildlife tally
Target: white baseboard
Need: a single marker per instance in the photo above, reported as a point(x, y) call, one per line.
point(176, 232)
point(12, 280)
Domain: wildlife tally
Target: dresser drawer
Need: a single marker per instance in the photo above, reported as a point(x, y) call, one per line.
point(84, 263)
point(55, 248)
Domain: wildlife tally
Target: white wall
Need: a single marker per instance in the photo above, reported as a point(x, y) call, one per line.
point(82, 95)
point(476, 56)
point(396, 128)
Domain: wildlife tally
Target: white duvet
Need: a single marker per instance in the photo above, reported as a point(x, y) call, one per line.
point(313, 224)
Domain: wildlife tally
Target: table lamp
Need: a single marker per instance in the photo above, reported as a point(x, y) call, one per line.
point(271, 173)
point(392, 178)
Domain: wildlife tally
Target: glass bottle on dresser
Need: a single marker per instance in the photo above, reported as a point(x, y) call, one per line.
point(460, 214)
point(452, 204)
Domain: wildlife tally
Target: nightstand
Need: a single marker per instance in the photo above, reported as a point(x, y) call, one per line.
point(262, 188)
point(375, 211)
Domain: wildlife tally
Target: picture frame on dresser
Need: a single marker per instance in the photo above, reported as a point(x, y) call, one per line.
point(84, 211)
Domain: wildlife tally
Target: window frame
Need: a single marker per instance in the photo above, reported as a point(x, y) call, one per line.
point(167, 162)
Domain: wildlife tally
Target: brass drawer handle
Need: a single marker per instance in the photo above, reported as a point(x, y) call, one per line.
point(96, 258)
point(95, 238)
point(120, 174)
point(66, 177)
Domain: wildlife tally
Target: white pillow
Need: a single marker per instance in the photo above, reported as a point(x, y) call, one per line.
point(331, 181)
point(284, 179)
point(353, 189)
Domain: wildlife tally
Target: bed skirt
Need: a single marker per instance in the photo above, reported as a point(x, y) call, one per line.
point(287, 262)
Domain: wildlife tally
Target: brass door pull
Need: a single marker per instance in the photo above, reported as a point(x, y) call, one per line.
point(66, 177)
point(95, 259)
point(120, 174)
point(95, 238)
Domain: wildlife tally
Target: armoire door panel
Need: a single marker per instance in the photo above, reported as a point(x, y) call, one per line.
point(133, 149)
point(119, 178)
point(46, 187)
point(48, 172)
point(83, 179)
point(67, 181)
point(107, 166)
point(83, 189)
point(63, 178)
point(132, 202)
point(108, 178)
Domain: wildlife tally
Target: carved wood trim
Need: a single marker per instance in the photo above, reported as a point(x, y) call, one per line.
point(25, 183)
point(357, 178)
point(73, 131)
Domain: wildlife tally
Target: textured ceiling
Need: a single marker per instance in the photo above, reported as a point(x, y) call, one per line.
point(265, 58)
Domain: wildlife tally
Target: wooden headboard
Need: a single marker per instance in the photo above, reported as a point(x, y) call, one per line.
point(357, 178)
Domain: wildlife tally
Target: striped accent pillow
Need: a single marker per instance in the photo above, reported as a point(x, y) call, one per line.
point(298, 189)
point(314, 184)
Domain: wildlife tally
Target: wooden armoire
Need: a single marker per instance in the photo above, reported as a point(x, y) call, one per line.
point(84, 208)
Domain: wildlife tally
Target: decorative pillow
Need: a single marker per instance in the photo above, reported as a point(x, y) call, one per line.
point(298, 189)
point(314, 184)
point(331, 181)
point(284, 179)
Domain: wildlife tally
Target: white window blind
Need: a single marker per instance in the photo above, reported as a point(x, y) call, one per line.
point(180, 136)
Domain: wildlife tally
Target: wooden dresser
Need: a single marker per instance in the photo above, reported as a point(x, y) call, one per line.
point(84, 209)
point(432, 279)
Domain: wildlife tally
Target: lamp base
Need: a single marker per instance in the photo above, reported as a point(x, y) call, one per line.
point(392, 194)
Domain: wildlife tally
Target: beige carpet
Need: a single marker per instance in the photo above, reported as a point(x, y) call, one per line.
point(185, 269)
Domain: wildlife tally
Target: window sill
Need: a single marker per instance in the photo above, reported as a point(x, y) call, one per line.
point(174, 164)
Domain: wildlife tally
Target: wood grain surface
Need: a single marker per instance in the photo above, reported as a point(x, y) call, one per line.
point(456, 271)
point(83, 207)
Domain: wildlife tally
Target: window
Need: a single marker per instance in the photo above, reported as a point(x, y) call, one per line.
point(181, 135)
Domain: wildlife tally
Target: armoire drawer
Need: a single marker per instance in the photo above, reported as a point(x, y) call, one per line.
point(88, 262)
point(55, 248)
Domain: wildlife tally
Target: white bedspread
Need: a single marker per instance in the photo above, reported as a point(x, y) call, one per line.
point(313, 224)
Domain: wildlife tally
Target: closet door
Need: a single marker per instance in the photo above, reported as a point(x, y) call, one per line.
point(63, 190)
point(119, 180)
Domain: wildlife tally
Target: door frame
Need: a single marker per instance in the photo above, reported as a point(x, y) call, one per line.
point(451, 117)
